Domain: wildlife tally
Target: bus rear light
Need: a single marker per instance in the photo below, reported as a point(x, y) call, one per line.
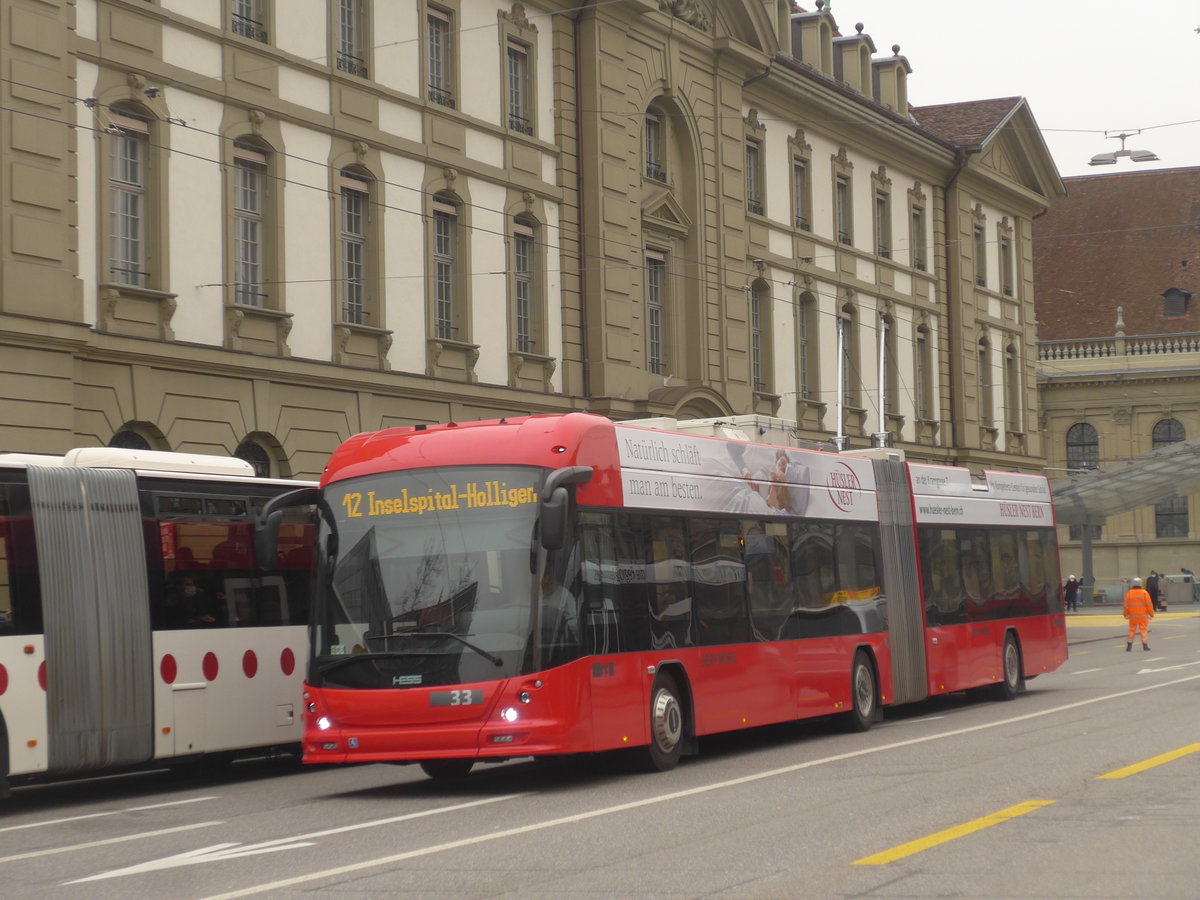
point(312, 707)
point(324, 723)
point(524, 696)
point(502, 738)
point(329, 745)
point(509, 714)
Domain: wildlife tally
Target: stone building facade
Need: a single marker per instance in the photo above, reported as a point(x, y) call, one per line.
point(256, 227)
point(1119, 353)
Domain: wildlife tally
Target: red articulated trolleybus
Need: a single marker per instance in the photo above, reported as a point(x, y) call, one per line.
point(137, 627)
point(566, 584)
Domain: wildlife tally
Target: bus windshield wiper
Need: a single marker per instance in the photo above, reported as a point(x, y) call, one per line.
point(495, 660)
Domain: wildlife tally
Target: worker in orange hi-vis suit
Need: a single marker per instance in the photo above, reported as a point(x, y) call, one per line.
point(1139, 610)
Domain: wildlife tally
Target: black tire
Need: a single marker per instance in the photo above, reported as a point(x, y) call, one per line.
point(1011, 682)
point(666, 725)
point(447, 769)
point(864, 695)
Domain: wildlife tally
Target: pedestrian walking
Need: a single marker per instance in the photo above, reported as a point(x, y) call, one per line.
point(1152, 589)
point(1071, 593)
point(1139, 611)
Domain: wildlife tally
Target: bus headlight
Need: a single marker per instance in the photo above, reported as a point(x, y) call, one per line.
point(324, 723)
point(509, 714)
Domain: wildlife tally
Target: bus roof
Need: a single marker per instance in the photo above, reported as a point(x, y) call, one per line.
point(141, 460)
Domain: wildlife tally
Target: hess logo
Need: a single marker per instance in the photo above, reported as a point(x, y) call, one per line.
point(843, 486)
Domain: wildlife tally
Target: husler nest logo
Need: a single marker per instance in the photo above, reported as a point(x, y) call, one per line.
point(843, 486)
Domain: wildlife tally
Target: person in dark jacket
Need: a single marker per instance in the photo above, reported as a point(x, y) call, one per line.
point(1071, 593)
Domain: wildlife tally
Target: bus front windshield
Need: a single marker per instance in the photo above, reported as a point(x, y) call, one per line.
point(426, 577)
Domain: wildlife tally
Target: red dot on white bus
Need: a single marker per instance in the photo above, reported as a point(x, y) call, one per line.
point(249, 663)
point(42, 675)
point(287, 661)
point(3, 680)
point(209, 666)
point(168, 669)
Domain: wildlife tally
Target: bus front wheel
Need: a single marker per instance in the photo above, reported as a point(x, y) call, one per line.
point(1010, 684)
point(666, 724)
point(447, 769)
point(864, 698)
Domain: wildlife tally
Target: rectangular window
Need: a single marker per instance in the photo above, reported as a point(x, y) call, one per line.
point(247, 20)
point(843, 223)
point(1012, 390)
point(980, 242)
point(917, 238)
point(754, 199)
point(654, 149)
point(804, 350)
point(128, 151)
point(250, 175)
point(1171, 517)
point(1006, 266)
point(439, 51)
point(355, 203)
point(756, 339)
point(922, 375)
point(523, 256)
point(656, 272)
point(351, 38)
point(985, 385)
point(519, 118)
point(445, 237)
point(883, 225)
point(803, 216)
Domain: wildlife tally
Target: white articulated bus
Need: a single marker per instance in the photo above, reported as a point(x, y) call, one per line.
point(136, 624)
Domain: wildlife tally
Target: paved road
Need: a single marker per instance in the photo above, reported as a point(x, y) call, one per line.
point(1085, 786)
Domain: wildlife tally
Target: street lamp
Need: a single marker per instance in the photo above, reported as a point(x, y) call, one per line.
point(1109, 159)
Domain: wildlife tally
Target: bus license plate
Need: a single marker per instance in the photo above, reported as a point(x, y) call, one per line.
point(456, 698)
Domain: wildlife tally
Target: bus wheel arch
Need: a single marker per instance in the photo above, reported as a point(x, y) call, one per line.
point(864, 692)
point(670, 719)
point(1012, 665)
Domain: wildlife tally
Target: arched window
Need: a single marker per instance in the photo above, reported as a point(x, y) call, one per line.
point(255, 455)
point(1171, 514)
point(1083, 447)
point(129, 440)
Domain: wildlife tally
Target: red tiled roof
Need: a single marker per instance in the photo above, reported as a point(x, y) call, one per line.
point(967, 124)
point(1118, 240)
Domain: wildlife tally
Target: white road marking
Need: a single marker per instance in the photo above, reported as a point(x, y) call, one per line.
point(234, 850)
point(912, 721)
point(1166, 668)
point(114, 812)
point(677, 795)
point(1086, 671)
point(116, 840)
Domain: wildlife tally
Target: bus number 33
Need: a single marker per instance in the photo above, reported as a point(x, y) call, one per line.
point(461, 697)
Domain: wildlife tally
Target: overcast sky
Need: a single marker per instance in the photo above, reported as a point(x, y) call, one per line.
point(1082, 65)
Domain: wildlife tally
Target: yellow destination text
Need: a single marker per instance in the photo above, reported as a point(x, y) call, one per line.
point(474, 495)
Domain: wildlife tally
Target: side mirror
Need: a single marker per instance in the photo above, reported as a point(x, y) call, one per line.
point(555, 503)
point(266, 528)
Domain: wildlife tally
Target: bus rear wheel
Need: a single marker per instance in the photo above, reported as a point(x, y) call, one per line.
point(447, 769)
point(666, 725)
point(1010, 684)
point(864, 698)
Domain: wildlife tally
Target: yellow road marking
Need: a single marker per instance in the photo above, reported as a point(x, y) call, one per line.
point(887, 856)
point(1149, 763)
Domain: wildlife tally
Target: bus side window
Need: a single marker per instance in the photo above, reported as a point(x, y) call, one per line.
point(600, 609)
point(718, 581)
point(631, 554)
point(20, 593)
